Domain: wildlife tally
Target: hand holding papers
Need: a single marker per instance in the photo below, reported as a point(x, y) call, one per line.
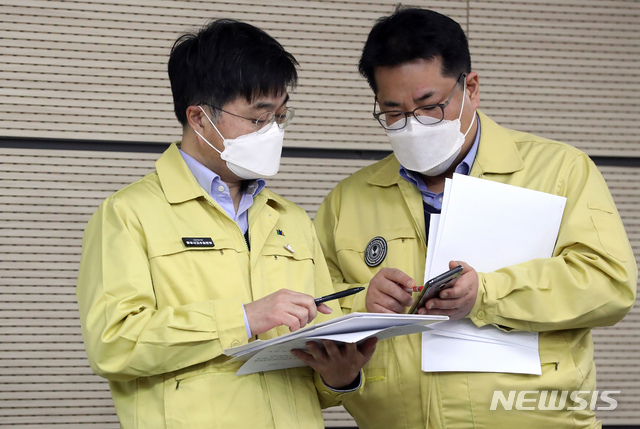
point(352, 328)
point(489, 225)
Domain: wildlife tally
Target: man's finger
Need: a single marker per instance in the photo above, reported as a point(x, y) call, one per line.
point(388, 291)
point(377, 308)
point(389, 304)
point(443, 304)
point(397, 276)
point(325, 309)
point(303, 356)
point(331, 349)
point(457, 291)
point(368, 347)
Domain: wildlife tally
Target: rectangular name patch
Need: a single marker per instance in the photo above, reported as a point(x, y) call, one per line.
point(197, 241)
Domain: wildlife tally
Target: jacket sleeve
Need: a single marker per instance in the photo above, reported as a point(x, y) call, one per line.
point(591, 279)
point(325, 223)
point(125, 334)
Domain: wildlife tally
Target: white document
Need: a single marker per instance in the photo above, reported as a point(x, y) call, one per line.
point(489, 225)
point(355, 327)
point(478, 356)
point(466, 330)
point(486, 349)
point(434, 224)
point(279, 356)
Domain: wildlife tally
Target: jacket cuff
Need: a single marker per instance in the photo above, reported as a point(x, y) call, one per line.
point(330, 397)
point(478, 315)
point(229, 316)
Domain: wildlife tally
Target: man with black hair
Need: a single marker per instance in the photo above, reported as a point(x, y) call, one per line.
point(191, 259)
point(418, 65)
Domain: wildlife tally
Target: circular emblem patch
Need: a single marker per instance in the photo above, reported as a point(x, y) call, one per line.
point(375, 252)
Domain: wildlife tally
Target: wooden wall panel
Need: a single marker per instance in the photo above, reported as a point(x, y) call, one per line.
point(46, 198)
point(95, 70)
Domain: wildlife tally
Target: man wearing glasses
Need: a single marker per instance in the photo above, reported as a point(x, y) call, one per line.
point(198, 257)
point(373, 231)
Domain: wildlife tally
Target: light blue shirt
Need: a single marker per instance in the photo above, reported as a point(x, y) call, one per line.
point(431, 198)
point(219, 191)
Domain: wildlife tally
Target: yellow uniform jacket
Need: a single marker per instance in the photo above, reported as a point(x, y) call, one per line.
point(157, 313)
point(590, 281)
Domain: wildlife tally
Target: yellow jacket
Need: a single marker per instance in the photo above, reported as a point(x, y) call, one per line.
point(590, 281)
point(156, 315)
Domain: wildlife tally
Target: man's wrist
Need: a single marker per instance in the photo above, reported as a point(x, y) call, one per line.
point(354, 385)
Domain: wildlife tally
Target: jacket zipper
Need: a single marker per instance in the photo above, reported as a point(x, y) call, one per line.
point(224, 213)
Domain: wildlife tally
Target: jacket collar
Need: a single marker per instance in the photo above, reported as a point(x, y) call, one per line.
point(179, 185)
point(388, 173)
point(497, 153)
point(176, 179)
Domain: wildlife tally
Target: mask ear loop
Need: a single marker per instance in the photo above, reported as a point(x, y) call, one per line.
point(200, 135)
point(464, 88)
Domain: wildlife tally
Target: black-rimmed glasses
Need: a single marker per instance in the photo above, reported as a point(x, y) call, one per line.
point(427, 115)
point(261, 124)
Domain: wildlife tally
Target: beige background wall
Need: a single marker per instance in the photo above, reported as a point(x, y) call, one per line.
point(85, 75)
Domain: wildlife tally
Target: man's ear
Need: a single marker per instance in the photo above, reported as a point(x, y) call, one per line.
point(473, 89)
point(196, 118)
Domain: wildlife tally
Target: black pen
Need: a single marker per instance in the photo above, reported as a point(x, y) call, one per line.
point(337, 295)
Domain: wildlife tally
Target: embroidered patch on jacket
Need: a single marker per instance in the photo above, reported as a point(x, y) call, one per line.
point(375, 252)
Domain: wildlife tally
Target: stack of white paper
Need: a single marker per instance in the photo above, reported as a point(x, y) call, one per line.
point(352, 328)
point(488, 225)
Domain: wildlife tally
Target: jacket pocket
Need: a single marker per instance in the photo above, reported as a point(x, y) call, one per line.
point(288, 265)
point(559, 371)
point(398, 243)
point(215, 400)
point(297, 251)
point(218, 272)
point(167, 247)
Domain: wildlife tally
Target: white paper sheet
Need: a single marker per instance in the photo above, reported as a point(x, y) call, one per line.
point(489, 225)
point(466, 330)
point(477, 356)
point(354, 327)
point(279, 356)
point(434, 224)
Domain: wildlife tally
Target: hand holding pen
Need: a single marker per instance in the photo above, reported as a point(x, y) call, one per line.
point(289, 308)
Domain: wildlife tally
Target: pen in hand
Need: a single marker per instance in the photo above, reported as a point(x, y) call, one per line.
point(338, 295)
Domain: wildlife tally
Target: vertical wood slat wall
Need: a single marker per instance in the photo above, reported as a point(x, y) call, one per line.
point(96, 71)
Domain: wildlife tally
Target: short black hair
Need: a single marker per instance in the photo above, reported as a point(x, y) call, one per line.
point(225, 60)
point(411, 34)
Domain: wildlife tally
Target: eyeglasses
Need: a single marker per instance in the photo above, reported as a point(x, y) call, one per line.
point(427, 115)
point(263, 121)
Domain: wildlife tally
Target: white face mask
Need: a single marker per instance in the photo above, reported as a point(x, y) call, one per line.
point(429, 149)
point(251, 156)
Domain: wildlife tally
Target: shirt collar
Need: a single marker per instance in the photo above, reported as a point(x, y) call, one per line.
point(210, 180)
